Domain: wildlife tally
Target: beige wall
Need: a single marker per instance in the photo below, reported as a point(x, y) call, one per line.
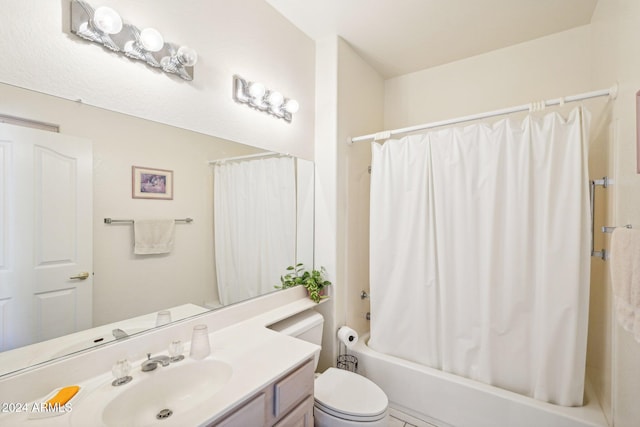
point(616, 32)
point(126, 285)
point(545, 68)
point(360, 111)
point(326, 235)
point(350, 101)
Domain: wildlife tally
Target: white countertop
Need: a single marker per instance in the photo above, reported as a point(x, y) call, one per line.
point(256, 354)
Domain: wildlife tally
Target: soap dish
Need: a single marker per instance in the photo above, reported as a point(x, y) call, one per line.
point(40, 409)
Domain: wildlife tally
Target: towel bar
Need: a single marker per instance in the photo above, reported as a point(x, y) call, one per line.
point(113, 221)
point(610, 229)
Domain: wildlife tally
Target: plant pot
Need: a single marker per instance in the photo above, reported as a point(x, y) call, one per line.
point(317, 296)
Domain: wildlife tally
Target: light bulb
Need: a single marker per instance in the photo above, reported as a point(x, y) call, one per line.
point(257, 90)
point(275, 99)
point(83, 28)
point(107, 20)
point(129, 47)
point(292, 106)
point(165, 62)
point(151, 40)
point(187, 56)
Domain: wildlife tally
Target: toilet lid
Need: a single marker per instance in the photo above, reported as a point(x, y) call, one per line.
point(349, 394)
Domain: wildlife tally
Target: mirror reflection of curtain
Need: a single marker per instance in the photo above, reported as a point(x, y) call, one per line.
point(254, 225)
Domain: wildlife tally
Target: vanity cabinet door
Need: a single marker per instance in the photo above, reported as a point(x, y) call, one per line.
point(301, 416)
point(251, 414)
point(292, 389)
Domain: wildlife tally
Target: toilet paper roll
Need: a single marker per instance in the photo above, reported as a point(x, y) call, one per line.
point(347, 336)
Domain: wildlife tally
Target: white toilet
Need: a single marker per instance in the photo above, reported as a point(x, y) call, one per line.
point(342, 398)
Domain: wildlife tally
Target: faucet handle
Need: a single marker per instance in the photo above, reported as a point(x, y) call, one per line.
point(152, 362)
point(149, 365)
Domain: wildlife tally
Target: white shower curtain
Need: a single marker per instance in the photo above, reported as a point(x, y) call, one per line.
point(254, 225)
point(480, 253)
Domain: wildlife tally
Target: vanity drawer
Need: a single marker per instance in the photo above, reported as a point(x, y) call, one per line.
point(301, 416)
point(289, 391)
point(251, 414)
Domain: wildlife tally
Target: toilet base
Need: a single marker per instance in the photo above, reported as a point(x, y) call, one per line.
point(322, 419)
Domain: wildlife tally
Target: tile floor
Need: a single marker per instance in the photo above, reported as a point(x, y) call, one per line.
point(399, 419)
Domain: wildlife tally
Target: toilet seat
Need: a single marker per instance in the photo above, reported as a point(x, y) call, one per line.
point(347, 417)
point(349, 396)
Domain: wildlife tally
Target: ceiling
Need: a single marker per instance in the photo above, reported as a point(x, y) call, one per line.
point(397, 37)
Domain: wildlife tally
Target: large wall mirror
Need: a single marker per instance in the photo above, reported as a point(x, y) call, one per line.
point(252, 217)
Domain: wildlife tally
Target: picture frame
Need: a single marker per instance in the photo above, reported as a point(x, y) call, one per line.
point(151, 183)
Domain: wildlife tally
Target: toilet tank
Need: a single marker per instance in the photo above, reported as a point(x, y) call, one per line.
point(306, 326)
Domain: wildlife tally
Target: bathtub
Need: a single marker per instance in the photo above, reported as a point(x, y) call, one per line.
point(449, 400)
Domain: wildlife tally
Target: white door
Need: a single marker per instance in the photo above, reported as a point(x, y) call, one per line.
point(45, 235)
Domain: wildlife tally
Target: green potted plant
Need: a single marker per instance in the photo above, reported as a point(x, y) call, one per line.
point(313, 280)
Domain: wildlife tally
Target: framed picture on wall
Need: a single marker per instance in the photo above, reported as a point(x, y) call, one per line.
point(149, 183)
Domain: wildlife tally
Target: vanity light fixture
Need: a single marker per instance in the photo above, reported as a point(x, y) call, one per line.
point(105, 26)
point(258, 97)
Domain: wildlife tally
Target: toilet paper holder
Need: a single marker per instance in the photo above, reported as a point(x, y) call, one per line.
point(346, 337)
point(348, 362)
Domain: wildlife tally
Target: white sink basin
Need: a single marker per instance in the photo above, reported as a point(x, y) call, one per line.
point(161, 397)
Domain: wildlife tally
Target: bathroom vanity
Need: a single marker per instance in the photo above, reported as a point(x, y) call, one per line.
point(253, 376)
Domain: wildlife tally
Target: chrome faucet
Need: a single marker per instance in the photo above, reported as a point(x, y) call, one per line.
point(152, 362)
point(119, 334)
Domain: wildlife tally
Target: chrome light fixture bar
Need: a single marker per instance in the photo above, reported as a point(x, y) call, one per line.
point(256, 96)
point(105, 26)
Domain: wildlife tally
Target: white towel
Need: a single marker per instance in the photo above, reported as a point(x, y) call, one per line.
point(625, 278)
point(153, 236)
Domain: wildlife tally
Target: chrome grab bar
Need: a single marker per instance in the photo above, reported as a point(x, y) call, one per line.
point(604, 182)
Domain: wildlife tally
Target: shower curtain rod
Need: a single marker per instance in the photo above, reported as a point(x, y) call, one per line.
point(534, 106)
point(249, 156)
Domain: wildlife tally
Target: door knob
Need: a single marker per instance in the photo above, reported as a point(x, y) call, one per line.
point(81, 276)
